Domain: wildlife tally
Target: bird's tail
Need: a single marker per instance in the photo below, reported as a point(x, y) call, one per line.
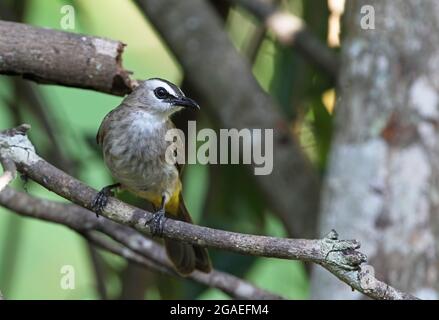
point(186, 257)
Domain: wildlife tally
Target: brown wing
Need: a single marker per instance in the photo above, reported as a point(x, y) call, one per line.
point(103, 128)
point(179, 166)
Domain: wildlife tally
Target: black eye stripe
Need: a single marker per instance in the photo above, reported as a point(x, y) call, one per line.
point(176, 89)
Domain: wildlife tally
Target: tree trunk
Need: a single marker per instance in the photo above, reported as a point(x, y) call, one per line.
point(382, 184)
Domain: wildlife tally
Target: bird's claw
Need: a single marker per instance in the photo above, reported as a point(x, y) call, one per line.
point(157, 223)
point(101, 200)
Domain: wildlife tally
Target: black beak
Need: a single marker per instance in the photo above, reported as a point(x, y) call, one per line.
point(185, 102)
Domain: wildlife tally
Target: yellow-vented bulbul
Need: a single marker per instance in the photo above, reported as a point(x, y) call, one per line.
point(133, 142)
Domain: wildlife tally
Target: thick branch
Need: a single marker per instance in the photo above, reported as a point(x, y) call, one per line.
point(133, 245)
point(292, 31)
point(339, 257)
point(41, 54)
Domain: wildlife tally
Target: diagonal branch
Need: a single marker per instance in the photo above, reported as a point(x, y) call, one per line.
point(340, 257)
point(131, 244)
point(291, 31)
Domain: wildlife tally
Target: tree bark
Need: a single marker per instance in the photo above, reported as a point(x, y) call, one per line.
point(383, 179)
point(68, 59)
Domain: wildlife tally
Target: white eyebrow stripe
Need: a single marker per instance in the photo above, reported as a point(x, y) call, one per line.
point(157, 83)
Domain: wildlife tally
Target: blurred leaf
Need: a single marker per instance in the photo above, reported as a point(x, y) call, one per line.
point(285, 74)
point(213, 294)
point(323, 131)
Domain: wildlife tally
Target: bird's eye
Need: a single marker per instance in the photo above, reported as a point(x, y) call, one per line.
point(161, 93)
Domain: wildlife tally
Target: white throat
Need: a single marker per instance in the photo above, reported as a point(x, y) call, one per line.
point(147, 122)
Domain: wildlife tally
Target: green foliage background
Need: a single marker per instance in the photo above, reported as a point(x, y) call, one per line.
point(32, 252)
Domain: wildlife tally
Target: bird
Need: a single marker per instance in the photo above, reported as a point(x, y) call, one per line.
point(132, 137)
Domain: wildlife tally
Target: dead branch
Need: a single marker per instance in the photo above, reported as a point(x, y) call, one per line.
point(63, 58)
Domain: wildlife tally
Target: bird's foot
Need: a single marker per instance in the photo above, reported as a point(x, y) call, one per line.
point(100, 201)
point(157, 222)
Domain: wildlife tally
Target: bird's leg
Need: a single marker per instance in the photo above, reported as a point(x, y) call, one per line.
point(101, 199)
point(157, 221)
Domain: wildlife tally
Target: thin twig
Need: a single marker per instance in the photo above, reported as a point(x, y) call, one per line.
point(99, 271)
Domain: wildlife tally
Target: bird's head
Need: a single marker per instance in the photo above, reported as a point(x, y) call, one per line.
point(160, 97)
